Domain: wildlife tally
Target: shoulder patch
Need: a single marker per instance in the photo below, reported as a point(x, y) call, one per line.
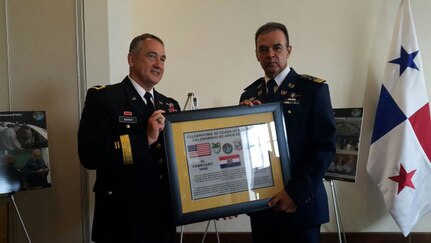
point(98, 87)
point(311, 78)
point(255, 83)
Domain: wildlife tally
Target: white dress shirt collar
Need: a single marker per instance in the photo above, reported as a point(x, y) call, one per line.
point(141, 91)
point(280, 77)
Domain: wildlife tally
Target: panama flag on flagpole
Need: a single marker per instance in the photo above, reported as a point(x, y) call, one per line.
point(400, 151)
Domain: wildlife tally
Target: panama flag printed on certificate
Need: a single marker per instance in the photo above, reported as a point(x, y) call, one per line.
point(400, 151)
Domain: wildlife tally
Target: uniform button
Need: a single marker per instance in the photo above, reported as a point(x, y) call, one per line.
point(158, 146)
point(161, 177)
point(289, 111)
point(161, 161)
point(109, 192)
point(128, 126)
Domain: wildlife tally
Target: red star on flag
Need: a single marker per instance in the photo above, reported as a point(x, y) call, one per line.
point(404, 179)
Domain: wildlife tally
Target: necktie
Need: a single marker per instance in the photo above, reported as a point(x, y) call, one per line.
point(150, 105)
point(270, 85)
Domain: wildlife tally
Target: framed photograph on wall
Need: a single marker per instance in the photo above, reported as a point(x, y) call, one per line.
point(225, 161)
point(348, 122)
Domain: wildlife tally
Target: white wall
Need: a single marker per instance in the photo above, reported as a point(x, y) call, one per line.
point(210, 51)
point(119, 38)
point(96, 42)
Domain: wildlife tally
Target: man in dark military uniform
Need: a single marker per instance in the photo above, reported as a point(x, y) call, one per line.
point(297, 212)
point(120, 136)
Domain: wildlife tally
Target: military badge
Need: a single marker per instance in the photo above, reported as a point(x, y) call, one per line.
point(127, 113)
point(237, 144)
point(171, 107)
point(283, 92)
point(216, 147)
point(292, 99)
point(294, 95)
point(227, 148)
point(291, 85)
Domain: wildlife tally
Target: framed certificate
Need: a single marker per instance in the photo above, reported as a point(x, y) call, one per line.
point(225, 161)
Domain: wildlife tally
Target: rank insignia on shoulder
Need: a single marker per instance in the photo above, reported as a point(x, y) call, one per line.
point(314, 79)
point(256, 84)
point(98, 87)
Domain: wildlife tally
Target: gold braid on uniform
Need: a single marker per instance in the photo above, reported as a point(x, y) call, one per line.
point(126, 148)
point(98, 87)
point(314, 79)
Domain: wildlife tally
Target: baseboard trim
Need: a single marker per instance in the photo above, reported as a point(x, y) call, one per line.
point(326, 237)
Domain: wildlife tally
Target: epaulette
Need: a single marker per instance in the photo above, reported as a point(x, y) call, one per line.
point(255, 83)
point(311, 78)
point(98, 87)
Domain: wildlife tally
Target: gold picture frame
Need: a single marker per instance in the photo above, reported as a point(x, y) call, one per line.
point(225, 161)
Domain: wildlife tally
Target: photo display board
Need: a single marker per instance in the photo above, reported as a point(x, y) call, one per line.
point(348, 122)
point(24, 154)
